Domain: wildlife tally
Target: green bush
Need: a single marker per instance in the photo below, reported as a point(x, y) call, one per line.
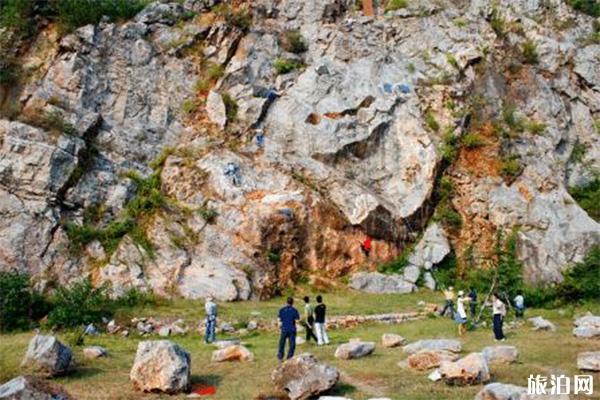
point(293, 42)
point(73, 14)
point(582, 281)
point(432, 122)
point(286, 65)
point(446, 214)
point(393, 5)
point(231, 107)
point(445, 273)
point(16, 16)
point(578, 153)
point(136, 298)
point(472, 140)
point(498, 23)
point(511, 167)
point(79, 304)
point(529, 52)
point(590, 7)
point(15, 301)
point(396, 266)
point(240, 18)
point(588, 197)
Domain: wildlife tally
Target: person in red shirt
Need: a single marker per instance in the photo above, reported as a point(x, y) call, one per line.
point(366, 246)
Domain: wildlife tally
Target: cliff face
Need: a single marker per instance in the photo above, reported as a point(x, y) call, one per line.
point(113, 161)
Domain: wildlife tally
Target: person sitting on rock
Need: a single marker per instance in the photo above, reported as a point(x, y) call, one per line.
point(449, 304)
point(288, 316)
point(309, 320)
point(211, 320)
point(320, 311)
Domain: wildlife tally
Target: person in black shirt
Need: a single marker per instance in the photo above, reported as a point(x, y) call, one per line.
point(320, 311)
point(288, 316)
point(473, 301)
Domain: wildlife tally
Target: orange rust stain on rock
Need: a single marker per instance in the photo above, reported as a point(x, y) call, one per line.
point(525, 192)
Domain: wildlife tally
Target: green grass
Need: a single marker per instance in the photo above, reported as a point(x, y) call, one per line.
point(393, 5)
point(529, 52)
point(286, 65)
point(374, 376)
point(588, 197)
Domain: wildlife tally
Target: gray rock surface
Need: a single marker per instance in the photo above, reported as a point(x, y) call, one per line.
point(433, 344)
point(500, 354)
point(232, 353)
point(587, 326)
point(46, 355)
point(161, 366)
point(354, 349)
point(375, 282)
point(541, 324)
point(27, 388)
point(304, 376)
point(392, 340)
point(589, 361)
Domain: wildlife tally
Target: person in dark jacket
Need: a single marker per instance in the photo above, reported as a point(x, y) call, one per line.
point(288, 316)
point(473, 301)
point(320, 311)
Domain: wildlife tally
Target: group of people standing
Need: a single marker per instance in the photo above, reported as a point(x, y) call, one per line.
point(314, 324)
point(498, 309)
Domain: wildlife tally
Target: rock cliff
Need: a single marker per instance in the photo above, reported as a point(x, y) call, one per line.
point(234, 150)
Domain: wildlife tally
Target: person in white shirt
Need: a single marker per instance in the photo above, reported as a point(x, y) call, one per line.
point(519, 302)
point(498, 311)
point(461, 315)
point(211, 320)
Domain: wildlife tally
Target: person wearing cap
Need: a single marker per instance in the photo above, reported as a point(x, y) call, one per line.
point(461, 315)
point(211, 320)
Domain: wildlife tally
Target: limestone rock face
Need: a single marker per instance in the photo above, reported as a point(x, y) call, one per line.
point(304, 376)
point(375, 282)
point(28, 388)
point(48, 356)
point(469, 370)
point(352, 144)
point(161, 366)
point(354, 349)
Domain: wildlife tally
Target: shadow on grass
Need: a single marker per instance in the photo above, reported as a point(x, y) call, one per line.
point(208, 380)
point(342, 389)
point(83, 372)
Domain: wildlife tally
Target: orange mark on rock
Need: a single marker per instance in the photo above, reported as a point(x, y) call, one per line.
point(525, 192)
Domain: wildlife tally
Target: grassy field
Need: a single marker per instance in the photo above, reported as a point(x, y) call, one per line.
point(374, 376)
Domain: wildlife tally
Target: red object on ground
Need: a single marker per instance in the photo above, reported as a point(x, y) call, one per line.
point(367, 244)
point(204, 390)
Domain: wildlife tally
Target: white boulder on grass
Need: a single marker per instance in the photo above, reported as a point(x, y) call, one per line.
point(354, 349)
point(433, 344)
point(48, 356)
point(161, 366)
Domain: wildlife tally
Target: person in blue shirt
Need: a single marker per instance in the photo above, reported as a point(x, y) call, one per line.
point(288, 316)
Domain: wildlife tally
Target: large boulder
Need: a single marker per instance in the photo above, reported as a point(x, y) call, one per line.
point(589, 361)
point(304, 376)
point(541, 324)
point(48, 356)
point(469, 370)
point(375, 282)
point(427, 359)
point(392, 340)
point(161, 366)
point(501, 391)
point(587, 326)
point(432, 248)
point(433, 344)
point(232, 353)
point(354, 349)
point(28, 388)
point(500, 354)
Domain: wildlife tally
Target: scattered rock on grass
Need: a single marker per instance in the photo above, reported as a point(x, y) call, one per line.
point(469, 370)
point(304, 376)
point(94, 352)
point(500, 354)
point(232, 353)
point(161, 366)
point(541, 324)
point(354, 349)
point(48, 356)
point(427, 359)
point(221, 344)
point(589, 361)
point(587, 326)
point(433, 344)
point(392, 340)
point(29, 388)
point(501, 391)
